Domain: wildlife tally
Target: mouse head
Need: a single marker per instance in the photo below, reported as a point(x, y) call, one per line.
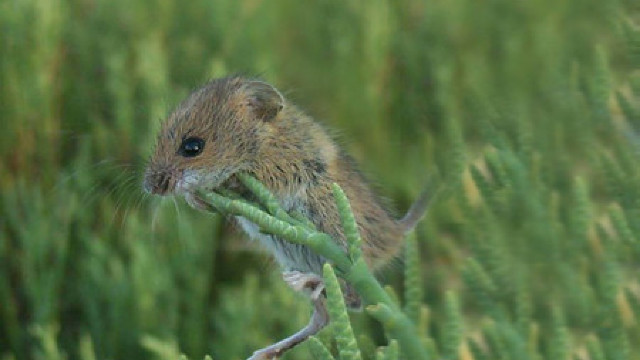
point(217, 131)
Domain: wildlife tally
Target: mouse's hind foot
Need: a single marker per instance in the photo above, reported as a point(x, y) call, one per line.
point(309, 283)
point(319, 320)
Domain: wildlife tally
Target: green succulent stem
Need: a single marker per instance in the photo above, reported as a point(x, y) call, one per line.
point(413, 288)
point(318, 242)
point(318, 350)
point(349, 224)
point(343, 332)
point(351, 266)
point(401, 328)
point(360, 276)
point(385, 310)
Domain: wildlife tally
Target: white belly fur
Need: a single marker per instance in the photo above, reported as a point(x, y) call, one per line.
point(266, 241)
point(289, 256)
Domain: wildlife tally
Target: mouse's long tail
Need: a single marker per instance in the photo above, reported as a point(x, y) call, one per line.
point(417, 210)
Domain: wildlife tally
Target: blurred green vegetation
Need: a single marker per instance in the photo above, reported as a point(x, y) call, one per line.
point(529, 109)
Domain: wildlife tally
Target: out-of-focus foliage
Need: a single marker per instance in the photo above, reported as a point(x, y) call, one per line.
point(529, 111)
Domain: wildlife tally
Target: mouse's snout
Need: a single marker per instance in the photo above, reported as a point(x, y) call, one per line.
point(157, 182)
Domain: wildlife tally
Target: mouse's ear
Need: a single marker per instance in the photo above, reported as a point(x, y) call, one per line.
point(265, 100)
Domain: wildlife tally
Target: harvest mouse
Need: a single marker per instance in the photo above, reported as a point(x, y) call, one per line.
point(237, 124)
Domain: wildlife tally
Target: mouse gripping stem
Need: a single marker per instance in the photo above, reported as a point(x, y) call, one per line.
point(351, 266)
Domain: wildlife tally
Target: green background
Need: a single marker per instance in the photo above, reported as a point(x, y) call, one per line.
point(526, 111)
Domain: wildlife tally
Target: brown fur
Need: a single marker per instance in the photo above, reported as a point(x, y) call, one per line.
point(249, 126)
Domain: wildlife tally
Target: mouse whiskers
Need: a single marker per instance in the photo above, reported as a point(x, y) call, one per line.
point(154, 219)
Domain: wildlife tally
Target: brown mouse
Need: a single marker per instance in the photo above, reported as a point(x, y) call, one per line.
point(236, 124)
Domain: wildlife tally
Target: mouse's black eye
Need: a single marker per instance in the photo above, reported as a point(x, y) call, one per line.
point(191, 147)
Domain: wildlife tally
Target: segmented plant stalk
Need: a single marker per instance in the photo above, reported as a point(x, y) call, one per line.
point(347, 345)
point(350, 266)
point(318, 350)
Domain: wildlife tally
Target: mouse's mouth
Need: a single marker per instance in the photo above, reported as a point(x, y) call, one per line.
point(188, 182)
point(193, 185)
point(193, 181)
